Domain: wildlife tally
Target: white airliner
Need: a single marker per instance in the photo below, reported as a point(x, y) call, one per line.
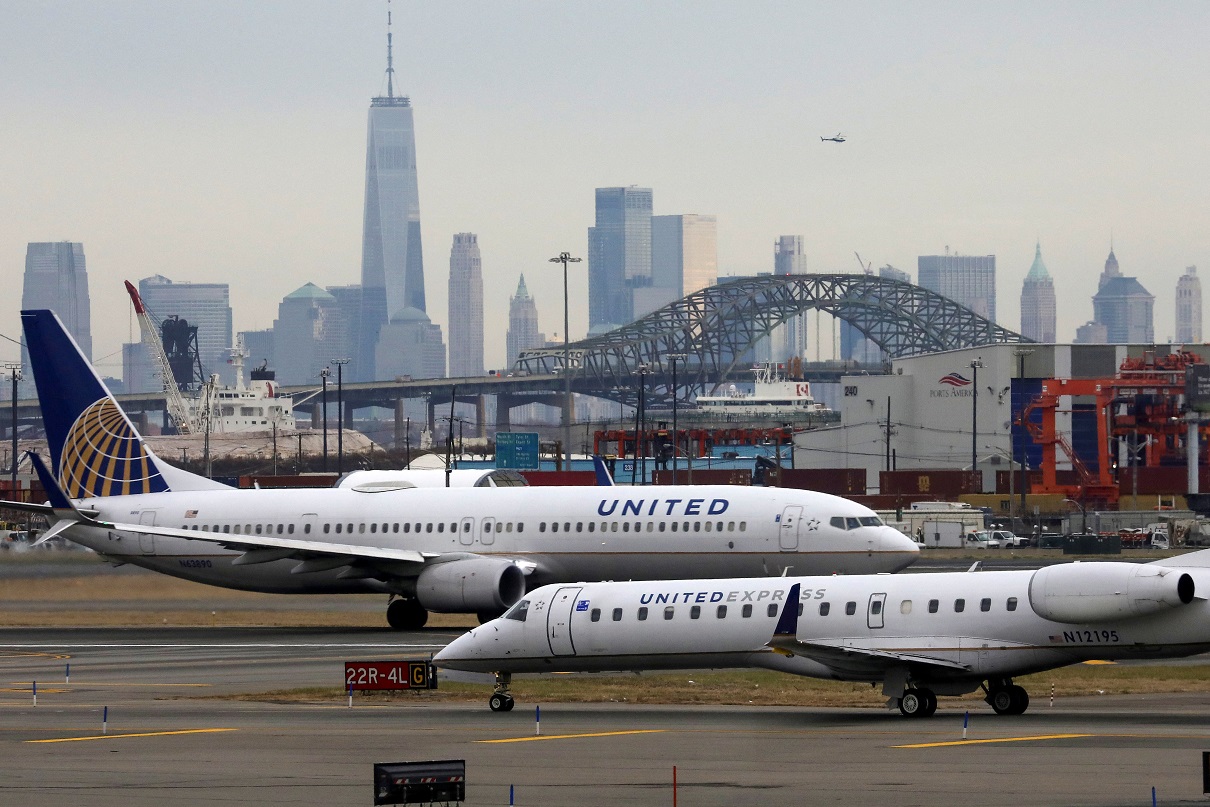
point(920, 635)
point(462, 550)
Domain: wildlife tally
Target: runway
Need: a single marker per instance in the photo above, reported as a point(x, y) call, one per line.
point(176, 734)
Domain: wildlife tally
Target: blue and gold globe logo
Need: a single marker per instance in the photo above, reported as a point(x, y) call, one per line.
point(103, 456)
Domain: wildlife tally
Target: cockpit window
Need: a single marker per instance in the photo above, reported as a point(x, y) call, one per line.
point(870, 521)
point(518, 611)
point(838, 522)
point(852, 523)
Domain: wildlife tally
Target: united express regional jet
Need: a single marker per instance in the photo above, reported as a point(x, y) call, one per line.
point(461, 550)
point(919, 635)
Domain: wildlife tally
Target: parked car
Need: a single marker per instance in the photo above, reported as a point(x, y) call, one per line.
point(981, 540)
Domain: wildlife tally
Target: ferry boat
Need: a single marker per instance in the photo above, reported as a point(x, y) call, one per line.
point(255, 407)
point(774, 397)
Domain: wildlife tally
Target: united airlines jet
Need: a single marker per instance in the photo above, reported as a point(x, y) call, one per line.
point(462, 550)
point(919, 635)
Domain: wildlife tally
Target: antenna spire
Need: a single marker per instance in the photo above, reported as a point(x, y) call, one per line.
point(390, 58)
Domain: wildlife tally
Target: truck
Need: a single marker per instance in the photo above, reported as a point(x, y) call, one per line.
point(943, 534)
point(1005, 539)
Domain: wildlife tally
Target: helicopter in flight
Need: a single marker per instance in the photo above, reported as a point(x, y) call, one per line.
point(838, 139)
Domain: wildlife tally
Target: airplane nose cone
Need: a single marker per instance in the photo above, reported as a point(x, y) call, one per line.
point(465, 648)
point(895, 541)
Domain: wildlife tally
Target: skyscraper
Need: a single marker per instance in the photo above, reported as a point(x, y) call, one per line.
point(392, 267)
point(619, 255)
point(1189, 307)
point(1038, 309)
point(1123, 306)
point(206, 305)
point(311, 329)
point(969, 280)
point(522, 324)
point(56, 278)
point(789, 340)
point(466, 307)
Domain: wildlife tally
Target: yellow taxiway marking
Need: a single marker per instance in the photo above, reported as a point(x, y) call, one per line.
point(573, 736)
point(997, 740)
point(124, 736)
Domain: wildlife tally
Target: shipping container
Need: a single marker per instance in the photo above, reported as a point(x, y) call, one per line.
point(837, 481)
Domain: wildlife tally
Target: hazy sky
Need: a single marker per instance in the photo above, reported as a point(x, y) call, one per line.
point(225, 141)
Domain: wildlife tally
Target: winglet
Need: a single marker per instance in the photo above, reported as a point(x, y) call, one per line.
point(603, 477)
point(787, 623)
point(54, 492)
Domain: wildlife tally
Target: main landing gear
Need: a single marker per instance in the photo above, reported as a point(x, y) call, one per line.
point(918, 702)
point(501, 701)
point(404, 614)
point(1006, 698)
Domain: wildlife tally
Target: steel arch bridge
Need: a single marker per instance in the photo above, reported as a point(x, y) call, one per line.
point(714, 328)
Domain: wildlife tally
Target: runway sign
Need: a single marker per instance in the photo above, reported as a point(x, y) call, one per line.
point(364, 675)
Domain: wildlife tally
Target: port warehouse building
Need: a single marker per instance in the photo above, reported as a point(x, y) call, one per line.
point(932, 408)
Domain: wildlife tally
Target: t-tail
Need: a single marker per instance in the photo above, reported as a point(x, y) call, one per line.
point(95, 449)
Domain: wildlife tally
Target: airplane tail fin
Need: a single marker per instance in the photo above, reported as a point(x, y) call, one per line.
point(787, 623)
point(95, 449)
point(603, 477)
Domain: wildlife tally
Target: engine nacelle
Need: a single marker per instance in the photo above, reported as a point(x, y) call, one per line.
point(472, 585)
point(1099, 592)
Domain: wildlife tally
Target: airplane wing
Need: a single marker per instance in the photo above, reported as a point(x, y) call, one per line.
point(862, 660)
point(843, 657)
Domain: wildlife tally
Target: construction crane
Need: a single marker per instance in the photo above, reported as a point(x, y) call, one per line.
point(867, 268)
point(178, 410)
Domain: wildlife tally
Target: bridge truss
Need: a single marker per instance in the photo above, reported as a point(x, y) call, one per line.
point(714, 328)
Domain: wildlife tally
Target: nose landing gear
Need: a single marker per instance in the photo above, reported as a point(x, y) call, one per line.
point(501, 701)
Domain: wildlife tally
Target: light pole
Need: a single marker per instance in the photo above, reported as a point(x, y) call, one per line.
point(642, 454)
point(566, 258)
point(676, 435)
point(323, 374)
point(340, 414)
point(975, 365)
point(1083, 515)
point(15, 371)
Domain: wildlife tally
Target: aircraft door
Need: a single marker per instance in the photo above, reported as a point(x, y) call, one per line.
point(787, 535)
point(558, 621)
point(147, 542)
point(488, 531)
point(466, 531)
point(874, 615)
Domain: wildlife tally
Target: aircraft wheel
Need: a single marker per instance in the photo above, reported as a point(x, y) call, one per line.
point(1020, 700)
point(1002, 700)
point(499, 702)
point(509, 703)
point(406, 615)
point(913, 703)
point(930, 702)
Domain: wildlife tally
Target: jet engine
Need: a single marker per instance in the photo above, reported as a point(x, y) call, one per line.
point(480, 585)
point(1099, 592)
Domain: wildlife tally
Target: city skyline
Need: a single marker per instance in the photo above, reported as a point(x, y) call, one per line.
point(235, 153)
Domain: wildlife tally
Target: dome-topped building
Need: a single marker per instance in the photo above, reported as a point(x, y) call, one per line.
point(1038, 307)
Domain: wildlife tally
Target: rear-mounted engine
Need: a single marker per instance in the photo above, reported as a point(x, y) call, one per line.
point(1100, 592)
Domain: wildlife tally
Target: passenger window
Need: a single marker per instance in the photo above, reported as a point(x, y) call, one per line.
point(440, 526)
point(824, 608)
point(617, 614)
point(959, 606)
point(407, 526)
point(743, 525)
point(708, 525)
point(595, 616)
point(520, 526)
point(395, 527)
point(985, 604)
point(685, 526)
point(642, 612)
point(306, 528)
point(720, 526)
point(662, 525)
point(721, 613)
point(668, 612)
point(625, 526)
point(730, 526)
point(876, 607)
point(428, 526)
point(327, 528)
point(566, 526)
point(579, 526)
point(850, 608)
point(339, 528)
point(487, 526)
point(905, 607)
point(771, 610)
point(933, 605)
point(673, 525)
point(695, 612)
point(747, 612)
point(465, 527)
point(373, 528)
point(518, 611)
point(697, 526)
point(592, 526)
point(1011, 605)
point(554, 526)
